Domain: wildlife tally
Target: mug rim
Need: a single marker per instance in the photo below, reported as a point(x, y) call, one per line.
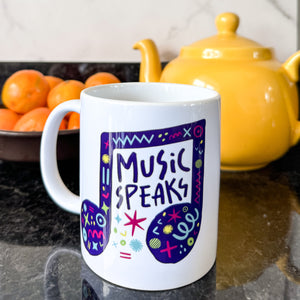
point(202, 94)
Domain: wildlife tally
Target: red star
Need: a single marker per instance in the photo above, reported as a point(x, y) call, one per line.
point(168, 249)
point(134, 222)
point(106, 144)
point(174, 215)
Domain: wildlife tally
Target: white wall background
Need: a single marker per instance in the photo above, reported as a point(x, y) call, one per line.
point(105, 30)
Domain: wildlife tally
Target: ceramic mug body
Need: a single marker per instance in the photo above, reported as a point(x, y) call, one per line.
point(149, 181)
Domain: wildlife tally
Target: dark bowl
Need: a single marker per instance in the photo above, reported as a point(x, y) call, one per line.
point(25, 146)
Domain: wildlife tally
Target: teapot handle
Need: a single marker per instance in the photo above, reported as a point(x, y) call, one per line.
point(291, 67)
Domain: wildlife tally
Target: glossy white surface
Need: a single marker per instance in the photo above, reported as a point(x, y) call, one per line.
point(102, 115)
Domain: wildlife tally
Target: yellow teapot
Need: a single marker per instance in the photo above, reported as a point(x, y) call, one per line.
point(259, 97)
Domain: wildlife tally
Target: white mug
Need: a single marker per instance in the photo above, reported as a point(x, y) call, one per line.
point(149, 181)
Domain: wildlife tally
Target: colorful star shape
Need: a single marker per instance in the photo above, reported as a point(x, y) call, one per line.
point(174, 215)
point(134, 222)
point(118, 218)
point(105, 208)
point(95, 246)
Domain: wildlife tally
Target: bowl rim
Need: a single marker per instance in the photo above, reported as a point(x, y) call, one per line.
point(26, 134)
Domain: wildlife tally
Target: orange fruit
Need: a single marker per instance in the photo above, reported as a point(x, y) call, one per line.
point(67, 90)
point(63, 125)
point(8, 119)
point(35, 120)
point(74, 121)
point(53, 81)
point(101, 78)
point(25, 90)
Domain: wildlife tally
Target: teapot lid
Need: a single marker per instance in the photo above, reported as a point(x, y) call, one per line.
point(227, 44)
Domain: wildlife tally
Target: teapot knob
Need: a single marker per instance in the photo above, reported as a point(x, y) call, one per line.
point(227, 23)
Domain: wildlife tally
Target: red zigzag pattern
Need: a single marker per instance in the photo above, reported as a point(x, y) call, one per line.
point(197, 199)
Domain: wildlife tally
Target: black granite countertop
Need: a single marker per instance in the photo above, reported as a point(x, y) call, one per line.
point(258, 247)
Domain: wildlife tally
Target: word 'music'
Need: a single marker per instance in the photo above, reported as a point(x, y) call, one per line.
point(156, 172)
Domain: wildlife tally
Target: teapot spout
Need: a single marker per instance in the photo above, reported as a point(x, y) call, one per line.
point(150, 69)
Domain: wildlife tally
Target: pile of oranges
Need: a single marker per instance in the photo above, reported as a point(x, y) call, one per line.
point(29, 97)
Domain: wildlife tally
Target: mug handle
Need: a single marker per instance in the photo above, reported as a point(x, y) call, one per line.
point(56, 188)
